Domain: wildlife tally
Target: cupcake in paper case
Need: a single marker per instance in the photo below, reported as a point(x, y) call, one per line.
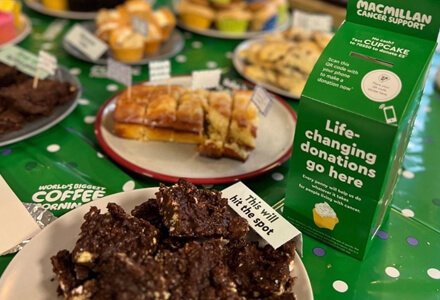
point(13, 7)
point(118, 15)
point(165, 20)
point(153, 40)
point(324, 216)
point(138, 8)
point(265, 18)
point(283, 10)
point(194, 15)
point(127, 45)
point(233, 20)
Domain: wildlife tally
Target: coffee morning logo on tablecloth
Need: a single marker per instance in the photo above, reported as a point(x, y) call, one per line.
point(67, 196)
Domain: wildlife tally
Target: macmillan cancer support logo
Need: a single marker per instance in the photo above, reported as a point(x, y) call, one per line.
point(391, 14)
point(67, 196)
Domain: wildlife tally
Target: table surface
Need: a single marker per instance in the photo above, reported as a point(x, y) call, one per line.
point(404, 261)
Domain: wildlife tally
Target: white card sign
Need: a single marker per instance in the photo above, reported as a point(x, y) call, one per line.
point(23, 60)
point(262, 100)
point(47, 62)
point(119, 72)
point(268, 223)
point(312, 22)
point(159, 70)
point(206, 79)
point(140, 26)
point(86, 42)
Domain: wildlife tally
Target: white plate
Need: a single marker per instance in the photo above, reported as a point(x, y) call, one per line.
point(23, 32)
point(30, 276)
point(239, 65)
point(171, 161)
point(171, 47)
point(42, 124)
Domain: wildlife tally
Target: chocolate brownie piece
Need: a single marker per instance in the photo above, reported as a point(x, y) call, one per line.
point(260, 272)
point(190, 212)
point(196, 271)
point(103, 235)
point(121, 277)
point(10, 75)
point(25, 99)
point(63, 267)
point(10, 120)
point(149, 211)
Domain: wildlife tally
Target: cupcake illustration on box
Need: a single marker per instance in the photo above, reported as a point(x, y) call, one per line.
point(324, 216)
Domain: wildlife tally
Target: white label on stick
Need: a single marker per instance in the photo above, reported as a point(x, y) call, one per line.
point(206, 79)
point(262, 218)
point(86, 42)
point(159, 70)
point(47, 62)
point(262, 100)
point(140, 26)
point(23, 60)
point(119, 72)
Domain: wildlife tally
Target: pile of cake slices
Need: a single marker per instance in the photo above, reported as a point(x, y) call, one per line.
point(220, 123)
point(183, 244)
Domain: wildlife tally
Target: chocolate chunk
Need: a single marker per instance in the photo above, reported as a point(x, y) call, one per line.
point(260, 272)
point(102, 235)
point(191, 212)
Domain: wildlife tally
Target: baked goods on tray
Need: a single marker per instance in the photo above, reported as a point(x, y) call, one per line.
point(130, 42)
point(139, 255)
point(284, 59)
point(219, 123)
point(233, 17)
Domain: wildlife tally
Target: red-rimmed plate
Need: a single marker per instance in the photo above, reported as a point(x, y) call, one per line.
point(171, 161)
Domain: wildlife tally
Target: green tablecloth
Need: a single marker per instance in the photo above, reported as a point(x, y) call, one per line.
point(404, 262)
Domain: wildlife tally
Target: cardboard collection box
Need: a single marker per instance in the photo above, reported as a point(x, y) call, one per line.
point(355, 118)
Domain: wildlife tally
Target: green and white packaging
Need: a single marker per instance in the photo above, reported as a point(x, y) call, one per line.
point(355, 118)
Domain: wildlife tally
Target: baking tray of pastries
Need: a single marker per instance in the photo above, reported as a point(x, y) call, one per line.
point(281, 62)
point(232, 19)
point(150, 140)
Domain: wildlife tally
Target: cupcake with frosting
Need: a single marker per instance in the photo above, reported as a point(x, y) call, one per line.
point(283, 10)
point(233, 20)
point(7, 28)
point(197, 16)
point(126, 44)
point(265, 18)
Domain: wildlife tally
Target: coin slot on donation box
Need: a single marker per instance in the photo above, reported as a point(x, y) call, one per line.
point(372, 59)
